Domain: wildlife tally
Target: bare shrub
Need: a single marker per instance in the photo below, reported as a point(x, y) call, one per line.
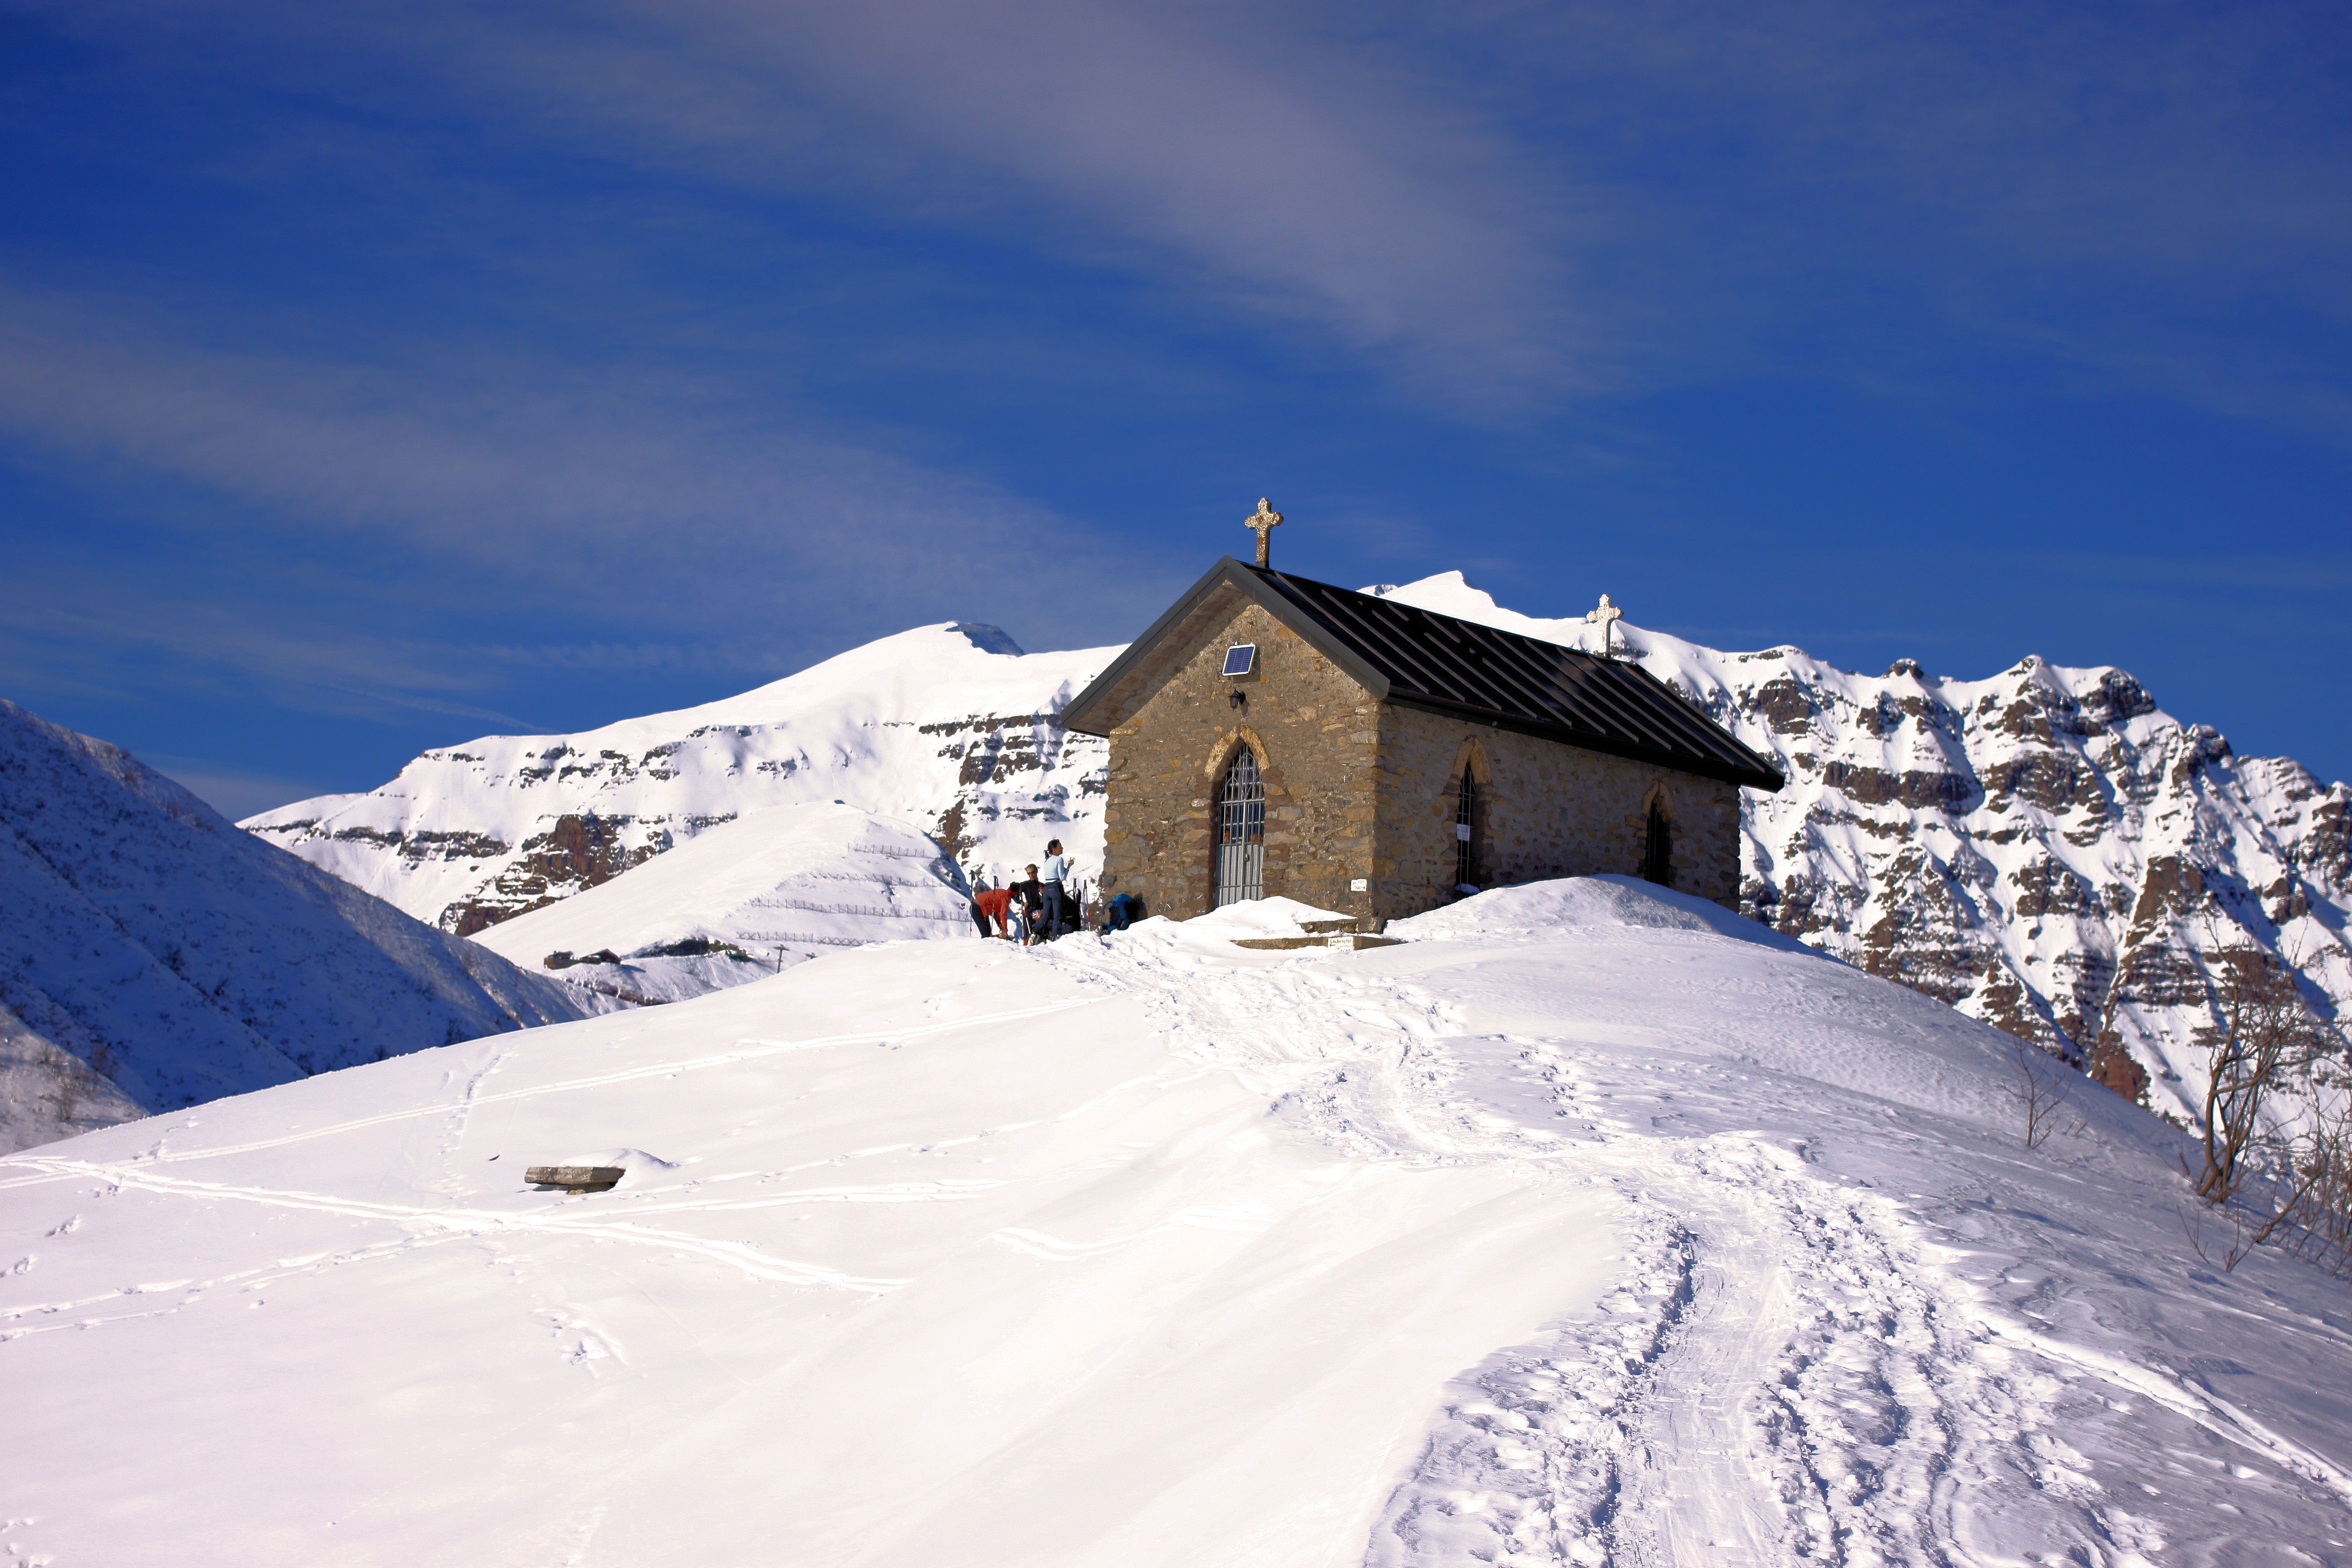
point(2263, 1039)
point(2041, 1094)
point(2302, 1202)
point(2274, 1181)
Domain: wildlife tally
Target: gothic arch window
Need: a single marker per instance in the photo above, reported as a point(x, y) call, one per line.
point(1241, 831)
point(1658, 844)
point(1465, 830)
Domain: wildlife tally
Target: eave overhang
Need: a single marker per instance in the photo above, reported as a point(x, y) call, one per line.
point(1115, 696)
point(1120, 691)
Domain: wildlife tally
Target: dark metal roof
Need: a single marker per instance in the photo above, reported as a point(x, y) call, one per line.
point(1419, 659)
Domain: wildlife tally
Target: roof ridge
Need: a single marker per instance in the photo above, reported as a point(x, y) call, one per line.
point(1414, 657)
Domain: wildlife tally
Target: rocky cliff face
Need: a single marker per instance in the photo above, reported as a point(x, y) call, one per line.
point(952, 727)
point(2047, 849)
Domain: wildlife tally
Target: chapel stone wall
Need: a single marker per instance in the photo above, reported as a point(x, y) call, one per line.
point(1316, 731)
point(1545, 810)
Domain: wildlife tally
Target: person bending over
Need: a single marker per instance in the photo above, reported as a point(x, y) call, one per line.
point(994, 907)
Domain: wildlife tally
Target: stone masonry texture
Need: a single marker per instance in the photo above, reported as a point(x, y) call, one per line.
point(1544, 810)
point(1316, 733)
point(1361, 789)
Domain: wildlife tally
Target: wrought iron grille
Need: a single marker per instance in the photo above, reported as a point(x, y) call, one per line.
point(1466, 829)
point(1241, 832)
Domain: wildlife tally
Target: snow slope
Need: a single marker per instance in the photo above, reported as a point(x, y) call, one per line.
point(152, 955)
point(1590, 1226)
point(951, 727)
point(2046, 850)
point(770, 889)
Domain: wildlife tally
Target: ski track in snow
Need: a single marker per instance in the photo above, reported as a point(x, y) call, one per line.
point(1785, 1372)
point(429, 1226)
point(424, 1226)
point(753, 1049)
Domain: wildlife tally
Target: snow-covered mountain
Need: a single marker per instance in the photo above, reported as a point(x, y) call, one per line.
point(950, 727)
point(2046, 849)
point(774, 887)
point(152, 956)
point(1591, 1225)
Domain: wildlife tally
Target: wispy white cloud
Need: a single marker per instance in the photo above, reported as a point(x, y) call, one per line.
point(443, 534)
point(111, 635)
point(697, 505)
point(1247, 160)
point(1501, 206)
point(1282, 172)
point(2146, 199)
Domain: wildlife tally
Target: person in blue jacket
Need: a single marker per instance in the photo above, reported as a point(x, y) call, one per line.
point(1061, 914)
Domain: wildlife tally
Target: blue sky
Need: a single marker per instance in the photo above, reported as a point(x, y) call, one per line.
point(375, 377)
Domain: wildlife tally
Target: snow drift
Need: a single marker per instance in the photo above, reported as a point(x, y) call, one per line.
point(1595, 1235)
point(152, 956)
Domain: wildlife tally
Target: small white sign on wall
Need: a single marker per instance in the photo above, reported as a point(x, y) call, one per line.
point(1361, 884)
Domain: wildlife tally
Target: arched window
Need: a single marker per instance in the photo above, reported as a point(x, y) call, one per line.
point(1465, 831)
point(1241, 831)
point(1658, 845)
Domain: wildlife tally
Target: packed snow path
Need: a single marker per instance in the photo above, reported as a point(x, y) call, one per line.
point(1791, 1368)
point(1575, 1231)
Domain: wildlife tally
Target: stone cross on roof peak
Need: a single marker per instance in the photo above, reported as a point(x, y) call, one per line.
point(1265, 521)
point(1605, 617)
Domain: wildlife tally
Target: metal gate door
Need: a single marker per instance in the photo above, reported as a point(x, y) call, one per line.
point(1658, 848)
point(1241, 832)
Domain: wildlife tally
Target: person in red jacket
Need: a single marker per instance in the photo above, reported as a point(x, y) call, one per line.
point(995, 906)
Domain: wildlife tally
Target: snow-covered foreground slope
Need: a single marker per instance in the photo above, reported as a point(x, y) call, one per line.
point(747, 898)
point(152, 955)
point(2046, 850)
point(950, 727)
point(1574, 1230)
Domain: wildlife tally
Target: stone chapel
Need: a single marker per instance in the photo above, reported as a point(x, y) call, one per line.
point(1274, 735)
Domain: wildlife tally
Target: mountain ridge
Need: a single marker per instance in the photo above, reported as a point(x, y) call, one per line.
point(156, 956)
point(951, 726)
point(2044, 849)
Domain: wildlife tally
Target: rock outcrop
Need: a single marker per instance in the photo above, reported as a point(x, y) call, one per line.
point(2046, 850)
